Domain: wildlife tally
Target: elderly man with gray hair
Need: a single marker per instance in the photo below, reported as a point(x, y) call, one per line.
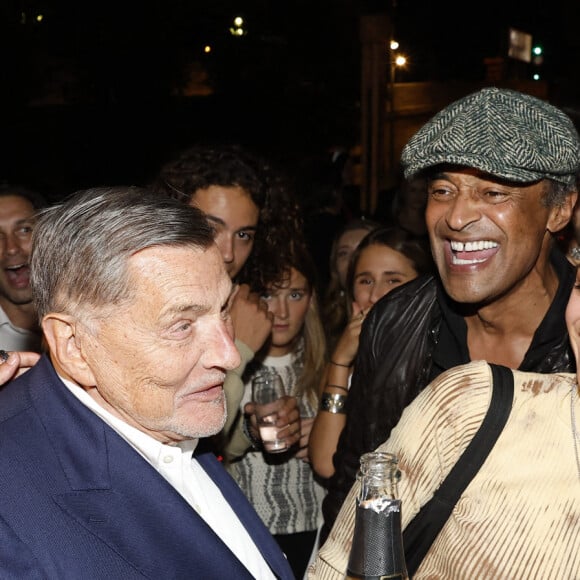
point(101, 473)
point(501, 168)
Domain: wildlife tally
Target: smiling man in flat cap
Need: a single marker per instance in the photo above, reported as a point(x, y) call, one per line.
point(501, 169)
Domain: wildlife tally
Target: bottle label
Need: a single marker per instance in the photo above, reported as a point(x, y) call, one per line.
point(377, 550)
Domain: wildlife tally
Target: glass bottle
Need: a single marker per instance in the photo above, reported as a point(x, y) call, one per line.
point(377, 547)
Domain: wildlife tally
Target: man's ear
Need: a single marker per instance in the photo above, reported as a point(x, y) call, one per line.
point(65, 338)
point(562, 214)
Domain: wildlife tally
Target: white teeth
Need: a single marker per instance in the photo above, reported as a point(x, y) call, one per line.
point(472, 246)
point(459, 262)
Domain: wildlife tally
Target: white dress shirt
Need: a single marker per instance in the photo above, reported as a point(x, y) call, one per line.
point(176, 464)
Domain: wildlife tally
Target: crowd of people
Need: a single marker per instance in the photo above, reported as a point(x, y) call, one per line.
point(133, 321)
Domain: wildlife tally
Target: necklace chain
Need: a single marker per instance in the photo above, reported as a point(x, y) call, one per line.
point(575, 434)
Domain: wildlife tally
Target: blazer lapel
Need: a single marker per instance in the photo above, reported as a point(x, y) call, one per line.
point(247, 515)
point(109, 489)
point(144, 519)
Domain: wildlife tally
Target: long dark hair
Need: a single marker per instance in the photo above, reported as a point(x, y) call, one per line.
point(414, 248)
point(334, 307)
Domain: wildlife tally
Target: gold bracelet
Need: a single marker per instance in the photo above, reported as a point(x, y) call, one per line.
point(332, 402)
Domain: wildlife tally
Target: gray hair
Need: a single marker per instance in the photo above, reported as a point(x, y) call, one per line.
point(557, 192)
point(81, 246)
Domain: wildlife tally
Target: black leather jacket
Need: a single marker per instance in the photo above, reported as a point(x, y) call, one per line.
point(399, 354)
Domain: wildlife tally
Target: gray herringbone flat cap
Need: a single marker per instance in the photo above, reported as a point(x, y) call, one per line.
point(502, 132)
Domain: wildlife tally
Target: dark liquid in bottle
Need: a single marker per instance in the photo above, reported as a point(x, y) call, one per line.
point(377, 550)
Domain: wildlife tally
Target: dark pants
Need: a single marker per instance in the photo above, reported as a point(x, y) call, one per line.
point(297, 548)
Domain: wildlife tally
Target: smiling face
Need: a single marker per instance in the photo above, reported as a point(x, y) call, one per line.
point(234, 216)
point(487, 236)
point(289, 304)
point(160, 361)
point(378, 270)
point(17, 218)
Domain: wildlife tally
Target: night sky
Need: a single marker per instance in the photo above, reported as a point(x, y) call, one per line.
point(452, 36)
point(102, 92)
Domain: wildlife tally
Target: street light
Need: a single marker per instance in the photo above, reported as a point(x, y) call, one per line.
point(537, 54)
point(400, 61)
point(396, 60)
point(237, 29)
point(393, 47)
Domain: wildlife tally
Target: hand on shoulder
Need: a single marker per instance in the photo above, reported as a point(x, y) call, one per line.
point(16, 363)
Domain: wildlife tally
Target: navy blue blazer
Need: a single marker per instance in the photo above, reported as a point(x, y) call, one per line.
point(78, 502)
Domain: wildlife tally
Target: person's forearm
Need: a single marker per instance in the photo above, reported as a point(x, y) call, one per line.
point(330, 419)
point(324, 436)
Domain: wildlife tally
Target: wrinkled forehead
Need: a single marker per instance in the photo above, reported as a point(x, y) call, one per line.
point(180, 264)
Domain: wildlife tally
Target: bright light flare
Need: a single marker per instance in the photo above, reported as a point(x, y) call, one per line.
point(400, 60)
point(237, 29)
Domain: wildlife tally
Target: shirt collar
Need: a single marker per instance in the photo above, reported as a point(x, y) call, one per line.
point(151, 449)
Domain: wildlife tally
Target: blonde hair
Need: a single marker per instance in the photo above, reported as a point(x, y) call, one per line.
point(314, 352)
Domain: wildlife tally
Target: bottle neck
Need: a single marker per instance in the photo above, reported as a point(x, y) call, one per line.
point(379, 475)
point(377, 548)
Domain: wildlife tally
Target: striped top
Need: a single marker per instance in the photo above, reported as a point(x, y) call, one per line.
point(520, 516)
point(282, 489)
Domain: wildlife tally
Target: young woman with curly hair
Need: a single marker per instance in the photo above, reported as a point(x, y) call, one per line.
point(254, 214)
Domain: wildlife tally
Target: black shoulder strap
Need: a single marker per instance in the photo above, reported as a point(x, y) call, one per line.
point(426, 525)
